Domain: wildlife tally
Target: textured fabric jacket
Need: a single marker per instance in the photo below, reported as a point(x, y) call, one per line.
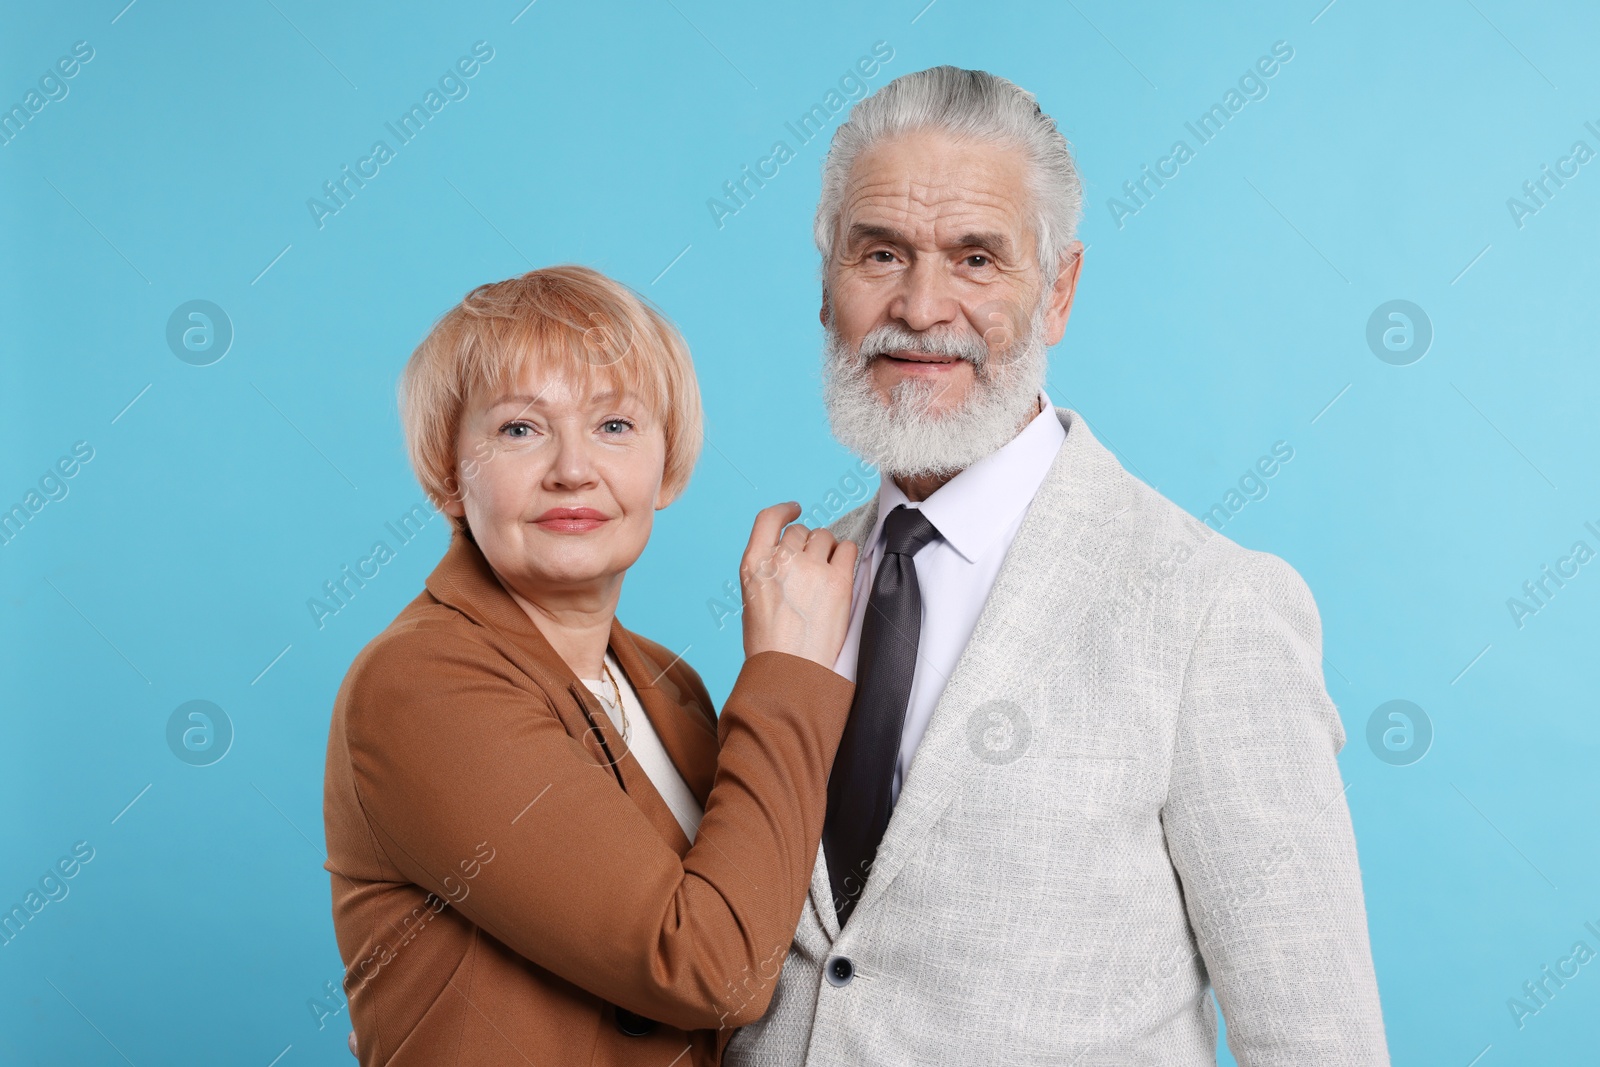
point(508, 886)
point(1127, 798)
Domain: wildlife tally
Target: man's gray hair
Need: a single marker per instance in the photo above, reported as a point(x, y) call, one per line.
point(966, 103)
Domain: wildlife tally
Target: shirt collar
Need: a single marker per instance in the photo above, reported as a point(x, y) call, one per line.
point(975, 507)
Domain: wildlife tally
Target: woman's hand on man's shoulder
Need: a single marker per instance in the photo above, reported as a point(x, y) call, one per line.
point(796, 583)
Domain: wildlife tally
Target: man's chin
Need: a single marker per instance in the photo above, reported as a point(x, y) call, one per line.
point(926, 400)
point(909, 426)
point(935, 392)
point(906, 405)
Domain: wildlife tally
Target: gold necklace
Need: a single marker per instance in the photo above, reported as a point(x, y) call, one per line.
point(622, 709)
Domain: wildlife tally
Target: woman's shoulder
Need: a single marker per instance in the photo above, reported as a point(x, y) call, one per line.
point(429, 647)
point(425, 625)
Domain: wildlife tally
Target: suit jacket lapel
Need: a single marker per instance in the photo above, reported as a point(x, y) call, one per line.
point(1000, 668)
point(856, 525)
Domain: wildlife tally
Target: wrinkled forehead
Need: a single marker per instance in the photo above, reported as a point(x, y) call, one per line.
point(936, 191)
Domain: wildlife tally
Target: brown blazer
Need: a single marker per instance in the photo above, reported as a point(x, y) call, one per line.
point(509, 888)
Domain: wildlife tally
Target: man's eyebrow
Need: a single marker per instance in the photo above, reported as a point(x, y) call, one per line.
point(994, 242)
point(861, 231)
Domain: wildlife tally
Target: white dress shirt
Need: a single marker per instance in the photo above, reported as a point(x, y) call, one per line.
point(645, 744)
point(977, 514)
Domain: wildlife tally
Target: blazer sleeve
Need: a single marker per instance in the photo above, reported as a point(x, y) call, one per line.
point(451, 751)
point(1260, 835)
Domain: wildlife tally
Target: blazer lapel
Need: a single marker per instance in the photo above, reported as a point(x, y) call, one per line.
point(687, 731)
point(636, 783)
point(464, 580)
point(1084, 488)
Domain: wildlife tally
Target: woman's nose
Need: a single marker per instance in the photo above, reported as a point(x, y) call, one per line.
point(573, 465)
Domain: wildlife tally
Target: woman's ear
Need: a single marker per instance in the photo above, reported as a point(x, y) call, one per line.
point(452, 504)
point(664, 497)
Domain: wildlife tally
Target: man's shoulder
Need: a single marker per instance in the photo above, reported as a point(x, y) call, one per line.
point(1141, 540)
point(855, 524)
point(1091, 499)
point(1136, 528)
point(1200, 572)
point(1155, 526)
point(1161, 521)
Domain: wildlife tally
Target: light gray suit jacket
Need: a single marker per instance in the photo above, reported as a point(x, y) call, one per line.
point(1127, 797)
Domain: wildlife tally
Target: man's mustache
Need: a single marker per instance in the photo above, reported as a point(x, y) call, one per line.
point(887, 339)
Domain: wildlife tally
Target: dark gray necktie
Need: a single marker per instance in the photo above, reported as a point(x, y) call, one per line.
point(860, 787)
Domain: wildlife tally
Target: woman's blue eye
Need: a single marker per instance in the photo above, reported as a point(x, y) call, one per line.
point(623, 423)
point(516, 429)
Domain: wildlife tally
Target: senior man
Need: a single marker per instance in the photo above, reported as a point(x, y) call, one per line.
point(1089, 775)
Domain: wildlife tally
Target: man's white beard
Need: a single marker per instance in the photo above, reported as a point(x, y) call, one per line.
point(903, 438)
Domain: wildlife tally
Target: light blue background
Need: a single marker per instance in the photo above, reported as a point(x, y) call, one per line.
point(1223, 317)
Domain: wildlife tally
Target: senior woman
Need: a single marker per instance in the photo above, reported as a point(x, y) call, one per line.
point(545, 846)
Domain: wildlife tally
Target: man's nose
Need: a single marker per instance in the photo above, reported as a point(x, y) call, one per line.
point(926, 298)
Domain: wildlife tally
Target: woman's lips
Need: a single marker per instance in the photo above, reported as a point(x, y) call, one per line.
point(571, 520)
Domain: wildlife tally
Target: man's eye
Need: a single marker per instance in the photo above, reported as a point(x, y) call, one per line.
point(888, 256)
point(978, 260)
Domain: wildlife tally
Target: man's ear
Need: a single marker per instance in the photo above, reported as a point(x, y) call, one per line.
point(825, 312)
point(1062, 292)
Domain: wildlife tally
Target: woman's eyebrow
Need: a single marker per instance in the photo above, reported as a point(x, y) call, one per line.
point(605, 397)
point(519, 398)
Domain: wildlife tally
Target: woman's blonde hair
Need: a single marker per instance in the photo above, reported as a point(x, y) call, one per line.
point(572, 319)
